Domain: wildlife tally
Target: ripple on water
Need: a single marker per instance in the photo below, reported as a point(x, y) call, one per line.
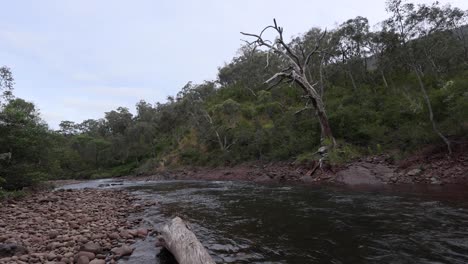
point(248, 223)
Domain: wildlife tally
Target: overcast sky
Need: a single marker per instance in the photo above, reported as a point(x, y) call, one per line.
point(78, 59)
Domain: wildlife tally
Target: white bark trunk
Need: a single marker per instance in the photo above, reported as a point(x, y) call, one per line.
point(183, 244)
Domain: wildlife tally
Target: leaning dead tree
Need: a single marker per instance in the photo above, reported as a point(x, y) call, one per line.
point(296, 67)
point(183, 244)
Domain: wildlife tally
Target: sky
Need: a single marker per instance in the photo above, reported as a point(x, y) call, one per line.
point(76, 59)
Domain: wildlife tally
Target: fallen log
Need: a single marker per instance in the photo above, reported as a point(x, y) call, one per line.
point(183, 244)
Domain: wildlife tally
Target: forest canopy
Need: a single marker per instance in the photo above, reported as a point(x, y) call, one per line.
point(392, 87)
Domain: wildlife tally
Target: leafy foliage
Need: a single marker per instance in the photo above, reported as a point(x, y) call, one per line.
point(369, 82)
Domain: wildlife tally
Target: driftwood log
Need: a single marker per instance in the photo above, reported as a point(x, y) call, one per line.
point(183, 244)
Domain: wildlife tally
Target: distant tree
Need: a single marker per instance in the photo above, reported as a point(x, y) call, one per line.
point(68, 128)
point(6, 84)
point(352, 37)
point(119, 120)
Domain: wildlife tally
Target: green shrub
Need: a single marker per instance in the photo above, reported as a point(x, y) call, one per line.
point(8, 195)
point(343, 153)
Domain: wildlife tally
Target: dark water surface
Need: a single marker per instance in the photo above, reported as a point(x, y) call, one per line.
point(248, 223)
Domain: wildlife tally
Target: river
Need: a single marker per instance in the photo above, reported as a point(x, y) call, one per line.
point(249, 223)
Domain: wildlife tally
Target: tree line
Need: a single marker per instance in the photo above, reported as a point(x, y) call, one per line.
point(357, 89)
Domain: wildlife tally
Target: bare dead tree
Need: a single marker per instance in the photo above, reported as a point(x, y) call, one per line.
point(295, 71)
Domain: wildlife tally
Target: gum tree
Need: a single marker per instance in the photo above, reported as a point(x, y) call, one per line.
point(296, 65)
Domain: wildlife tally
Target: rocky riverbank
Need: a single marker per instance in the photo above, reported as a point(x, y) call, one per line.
point(430, 165)
point(69, 226)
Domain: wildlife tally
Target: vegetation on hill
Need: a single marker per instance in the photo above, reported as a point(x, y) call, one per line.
point(396, 87)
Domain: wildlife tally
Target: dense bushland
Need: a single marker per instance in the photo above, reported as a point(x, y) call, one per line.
point(379, 88)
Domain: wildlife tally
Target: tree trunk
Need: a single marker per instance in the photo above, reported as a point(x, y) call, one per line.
point(384, 79)
point(429, 107)
point(183, 244)
point(322, 84)
point(325, 129)
point(296, 72)
point(353, 82)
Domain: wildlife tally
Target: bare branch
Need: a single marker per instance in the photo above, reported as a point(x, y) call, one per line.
point(281, 44)
point(296, 73)
point(279, 74)
point(261, 33)
point(275, 84)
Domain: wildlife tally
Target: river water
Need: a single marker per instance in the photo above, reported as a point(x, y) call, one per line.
point(249, 223)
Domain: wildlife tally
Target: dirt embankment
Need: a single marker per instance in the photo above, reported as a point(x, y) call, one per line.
point(431, 165)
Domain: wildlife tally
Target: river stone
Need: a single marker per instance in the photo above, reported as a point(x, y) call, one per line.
point(82, 260)
point(434, 180)
point(91, 247)
point(122, 251)
point(88, 255)
point(414, 172)
point(53, 234)
point(97, 261)
point(142, 232)
point(51, 256)
point(133, 233)
point(125, 234)
point(114, 235)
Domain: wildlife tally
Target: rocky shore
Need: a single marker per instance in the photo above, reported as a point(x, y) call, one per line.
point(429, 166)
point(69, 226)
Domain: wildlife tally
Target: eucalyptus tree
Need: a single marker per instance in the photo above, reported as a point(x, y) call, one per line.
point(69, 128)
point(421, 32)
point(295, 71)
point(352, 37)
point(247, 71)
point(317, 66)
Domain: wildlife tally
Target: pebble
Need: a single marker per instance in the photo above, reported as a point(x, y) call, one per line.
point(68, 226)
